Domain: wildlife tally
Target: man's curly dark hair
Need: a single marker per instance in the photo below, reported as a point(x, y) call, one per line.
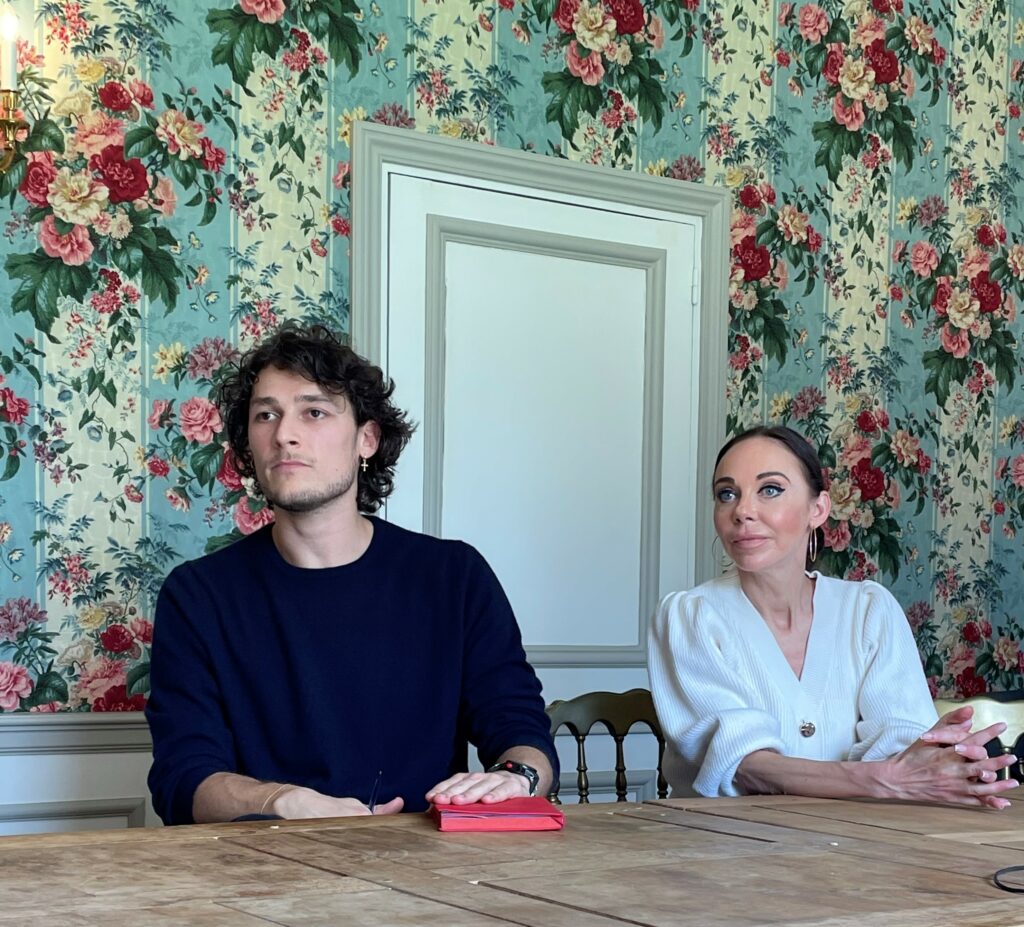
point(317, 354)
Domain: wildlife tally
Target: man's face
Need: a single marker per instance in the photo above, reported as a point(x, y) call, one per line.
point(304, 441)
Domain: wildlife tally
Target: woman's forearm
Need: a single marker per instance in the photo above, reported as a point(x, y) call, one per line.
point(765, 772)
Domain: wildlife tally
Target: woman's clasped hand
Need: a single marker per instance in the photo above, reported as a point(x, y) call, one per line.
point(949, 763)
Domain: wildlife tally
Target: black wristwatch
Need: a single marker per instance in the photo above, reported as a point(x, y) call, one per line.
point(520, 769)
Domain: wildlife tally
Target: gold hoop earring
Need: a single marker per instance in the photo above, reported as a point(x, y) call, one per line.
point(812, 545)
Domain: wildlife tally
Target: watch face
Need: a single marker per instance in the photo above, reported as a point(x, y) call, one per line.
point(520, 769)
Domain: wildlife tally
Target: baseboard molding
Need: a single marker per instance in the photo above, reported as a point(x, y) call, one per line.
point(99, 732)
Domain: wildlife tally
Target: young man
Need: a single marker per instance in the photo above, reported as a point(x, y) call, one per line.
point(331, 658)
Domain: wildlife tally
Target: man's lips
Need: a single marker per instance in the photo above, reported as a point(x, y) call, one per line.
point(288, 464)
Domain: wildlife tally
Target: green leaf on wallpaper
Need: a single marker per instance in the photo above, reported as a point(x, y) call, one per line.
point(834, 141)
point(903, 142)
point(11, 468)
point(46, 135)
point(206, 462)
point(43, 280)
point(343, 38)
point(160, 276)
point(997, 269)
point(221, 540)
point(184, 171)
point(11, 179)
point(814, 58)
point(943, 370)
point(545, 9)
point(651, 101)
point(137, 679)
point(50, 687)
point(140, 142)
point(240, 37)
point(775, 338)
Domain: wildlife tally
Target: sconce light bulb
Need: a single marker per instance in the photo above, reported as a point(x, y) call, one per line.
point(8, 25)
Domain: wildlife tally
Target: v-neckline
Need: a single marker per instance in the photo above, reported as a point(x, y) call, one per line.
point(809, 684)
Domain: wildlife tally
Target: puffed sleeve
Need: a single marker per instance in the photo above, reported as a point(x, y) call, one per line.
point(703, 697)
point(895, 704)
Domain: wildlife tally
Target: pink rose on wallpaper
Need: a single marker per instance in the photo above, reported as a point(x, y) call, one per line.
point(249, 521)
point(565, 13)
point(13, 409)
point(813, 22)
point(178, 498)
point(266, 11)
point(974, 262)
point(142, 93)
point(74, 249)
point(834, 62)
point(955, 341)
point(744, 225)
point(856, 449)
point(165, 200)
point(200, 420)
point(100, 674)
point(39, 174)
point(961, 656)
point(656, 33)
point(95, 132)
point(143, 630)
point(590, 70)
point(1017, 471)
point(851, 117)
point(227, 475)
point(923, 258)
point(15, 684)
point(161, 413)
point(837, 535)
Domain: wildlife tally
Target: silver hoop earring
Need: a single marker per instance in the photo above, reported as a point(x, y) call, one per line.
point(812, 545)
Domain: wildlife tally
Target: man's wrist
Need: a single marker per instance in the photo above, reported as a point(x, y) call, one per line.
point(529, 776)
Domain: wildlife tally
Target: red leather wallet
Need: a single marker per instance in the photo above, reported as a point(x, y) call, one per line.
point(515, 814)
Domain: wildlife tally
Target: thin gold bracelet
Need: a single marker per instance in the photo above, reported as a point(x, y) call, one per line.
point(271, 797)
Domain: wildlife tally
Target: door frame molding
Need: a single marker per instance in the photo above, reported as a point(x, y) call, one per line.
point(378, 152)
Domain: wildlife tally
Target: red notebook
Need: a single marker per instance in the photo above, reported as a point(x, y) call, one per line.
point(515, 814)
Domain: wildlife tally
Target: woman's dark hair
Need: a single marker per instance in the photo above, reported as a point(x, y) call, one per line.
point(800, 448)
point(795, 443)
point(317, 354)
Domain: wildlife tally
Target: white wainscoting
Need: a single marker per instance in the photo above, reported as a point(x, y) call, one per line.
point(74, 772)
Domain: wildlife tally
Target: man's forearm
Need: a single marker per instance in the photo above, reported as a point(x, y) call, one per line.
point(531, 756)
point(225, 796)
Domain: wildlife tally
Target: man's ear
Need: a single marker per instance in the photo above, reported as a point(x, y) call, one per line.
point(369, 439)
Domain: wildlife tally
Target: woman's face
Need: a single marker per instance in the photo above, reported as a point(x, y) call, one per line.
point(765, 508)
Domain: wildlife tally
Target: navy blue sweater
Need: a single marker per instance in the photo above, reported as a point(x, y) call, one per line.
point(324, 677)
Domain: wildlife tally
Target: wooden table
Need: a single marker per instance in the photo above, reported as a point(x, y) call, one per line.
point(749, 861)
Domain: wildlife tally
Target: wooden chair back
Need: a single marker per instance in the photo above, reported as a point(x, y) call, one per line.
point(988, 711)
point(618, 712)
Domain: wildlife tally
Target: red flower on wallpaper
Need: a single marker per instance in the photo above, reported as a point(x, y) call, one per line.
point(115, 96)
point(755, 259)
point(39, 174)
point(968, 683)
point(126, 180)
point(988, 294)
point(116, 698)
point(628, 15)
point(883, 62)
point(870, 480)
point(117, 639)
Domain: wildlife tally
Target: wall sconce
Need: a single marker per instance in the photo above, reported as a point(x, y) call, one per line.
point(12, 127)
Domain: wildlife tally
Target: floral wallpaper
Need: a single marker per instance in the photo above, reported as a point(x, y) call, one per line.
point(184, 187)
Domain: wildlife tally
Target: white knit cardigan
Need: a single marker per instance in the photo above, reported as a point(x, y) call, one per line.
point(723, 688)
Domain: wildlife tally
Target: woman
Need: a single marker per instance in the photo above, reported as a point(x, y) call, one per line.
point(774, 679)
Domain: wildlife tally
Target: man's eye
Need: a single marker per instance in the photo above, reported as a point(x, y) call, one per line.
point(316, 413)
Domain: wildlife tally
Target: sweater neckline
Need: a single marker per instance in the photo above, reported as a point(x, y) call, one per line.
point(273, 559)
point(811, 682)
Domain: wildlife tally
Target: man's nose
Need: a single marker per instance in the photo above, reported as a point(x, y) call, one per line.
point(286, 433)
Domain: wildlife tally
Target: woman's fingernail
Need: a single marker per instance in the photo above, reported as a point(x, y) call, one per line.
point(1015, 785)
point(959, 748)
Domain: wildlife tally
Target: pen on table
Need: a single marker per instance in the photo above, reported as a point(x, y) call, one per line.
point(372, 803)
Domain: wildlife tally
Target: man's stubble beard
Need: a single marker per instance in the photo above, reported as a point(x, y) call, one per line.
point(312, 499)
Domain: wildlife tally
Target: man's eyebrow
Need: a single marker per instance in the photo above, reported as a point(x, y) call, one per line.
point(305, 397)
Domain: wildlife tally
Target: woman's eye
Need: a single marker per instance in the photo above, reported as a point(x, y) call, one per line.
point(771, 490)
point(725, 495)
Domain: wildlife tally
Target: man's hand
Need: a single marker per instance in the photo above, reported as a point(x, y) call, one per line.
point(298, 802)
point(466, 788)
